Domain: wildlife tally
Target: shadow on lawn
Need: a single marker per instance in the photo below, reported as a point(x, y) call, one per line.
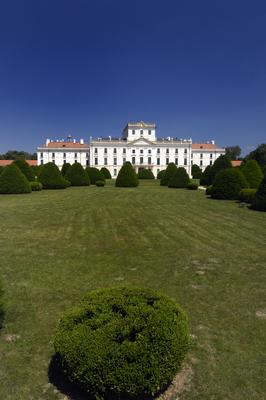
point(61, 382)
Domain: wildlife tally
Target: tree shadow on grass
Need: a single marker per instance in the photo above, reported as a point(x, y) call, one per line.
point(61, 382)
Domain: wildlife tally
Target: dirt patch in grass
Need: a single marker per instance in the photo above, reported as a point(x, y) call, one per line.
point(261, 314)
point(181, 383)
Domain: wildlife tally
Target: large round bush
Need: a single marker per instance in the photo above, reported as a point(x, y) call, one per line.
point(25, 169)
point(145, 174)
point(51, 178)
point(77, 175)
point(161, 174)
point(127, 176)
point(180, 179)
point(65, 168)
point(228, 183)
point(106, 173)
point(95, 175)
point(13, 181)
point(169, 172)
point(122, 342)
point(253, 173)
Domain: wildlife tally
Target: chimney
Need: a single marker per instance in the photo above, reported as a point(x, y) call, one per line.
point(81, 141)
point(74, 140)
point(47, 142)
point(212, 142)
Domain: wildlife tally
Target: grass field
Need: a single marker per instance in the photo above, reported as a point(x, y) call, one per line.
point(208, 255)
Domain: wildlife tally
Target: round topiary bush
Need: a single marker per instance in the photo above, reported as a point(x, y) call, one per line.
point(228, 183)
point(169, 172)
point(253, 173)
point(122, 342)
point(51, 178)
point(145, 174)
point(65, 168)
point(161, 174)
point(2, 313)
point(127, 176)
point(100, 183)
point(25, 169)
point(247, 195)
point(106, 173)
point(196, 171)
point(208, 191)
point(95, 175)
point(221, 163)
point(205, 178)
point(36, 186)
point(13, 181)
point(259, 201)
point(77, 175)
point(192, 186)
point(180, 179)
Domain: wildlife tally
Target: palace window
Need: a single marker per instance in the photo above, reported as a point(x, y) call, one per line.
point(105, 161)
point(158, 161)
point(114, 150)
point(76, 155)
point(185, 151)
point(201, 155)
point(53, 154)
point(96, 161)
point(64, 155)
point(87, 162)
point(41, 162)
point(141, 160)
point(133, 151)
point(133, 160)
point(176, 161)
point(115, 161)
point(41, 154)
point(167, 151)
point(167, 161)
point(158, 151)
point(141, 151)
point(141, 132)
point(211, 155)
point(176, 151)
point(124, 160)
point(211, 162)
point(133, 131)
point(87, 155)
point(149, 151)
point(96, 150)
point(185, 161)
point(124, 151)
point(105, 150)
point(149, 160)
point(149, 132)
point(115, 172)
point(64, 161)
point(201, 163)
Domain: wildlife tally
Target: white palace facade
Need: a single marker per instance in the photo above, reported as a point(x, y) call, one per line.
point(138, 144)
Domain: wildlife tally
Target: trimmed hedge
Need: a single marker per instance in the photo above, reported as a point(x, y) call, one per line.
point(65, 168)
point(100, 183)
point(35, 170)
point(127, 176)
point(169, 173)
point(221, 163)
point(36, 186)
point(161, 174)
point(259, 201)
point(2, 312)
point(247, 195)
point(205, 179)
point(145, 174)
point(208, 191)
point(196, 171)
point(192, 186)
point(106, 173)
point(180, 179)
point(253, 173)
point(51, 178)
point(228, 184)
point(122, 342)
point(13, 181)
point(94, 175)
point(77, 175)
point(25, 169)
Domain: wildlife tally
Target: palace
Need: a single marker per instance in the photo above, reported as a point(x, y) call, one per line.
point(138, 144)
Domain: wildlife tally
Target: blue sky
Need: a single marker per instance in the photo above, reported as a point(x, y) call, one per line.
point(195, 68)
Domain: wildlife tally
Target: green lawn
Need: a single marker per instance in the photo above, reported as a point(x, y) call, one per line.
point(209, 255)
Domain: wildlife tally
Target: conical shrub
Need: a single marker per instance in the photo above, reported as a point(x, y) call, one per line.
point(13, 181)
point(253, 173)
point(145, 174)
point(106, 173)
point(180, 179)
point(161, 174)
point(95, 175)
point(227, 184)
point(25, 169)
point(205, 179)
point(77, 175)
point(196, 171)
point(169, 172)
point(51, 178)
point(127, 177)
point(65, 168)
point(222, 162)
point(259, 201)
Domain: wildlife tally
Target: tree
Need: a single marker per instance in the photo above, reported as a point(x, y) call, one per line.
point(233, 152)
point(180, 179)
point(196, 171)
point(169, 172)
point(222, 162)
point(127, 176)
point(25, 169)
point(51, 177)
point(253, 173)
point(65, 168)
point(205, 179)
point(77, 175)
point(106, 173)
point(160, 174)
point(145, 174)
point(18, 155)
point(259, 155)
point(228, 183)
point(1, 169)
point(259, 201)
point(95, 175)
point(13, 181)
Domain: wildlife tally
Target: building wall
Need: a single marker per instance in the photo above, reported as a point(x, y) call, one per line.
point(203, 158)
point(62, 156)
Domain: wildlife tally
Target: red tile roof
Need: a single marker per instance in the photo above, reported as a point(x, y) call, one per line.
point(60, 145)
point(204, 146)
point(236, 163)
point(4, 163)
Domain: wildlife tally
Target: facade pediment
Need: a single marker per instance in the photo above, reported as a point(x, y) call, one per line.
point(140, 142)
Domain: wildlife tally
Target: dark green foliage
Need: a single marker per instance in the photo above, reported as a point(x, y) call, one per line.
point(145, 174)
point(122, 342)
point(1, 169)
point(127, 176)
point(65, 168)
point(13, 181)
point(253, 173)
point(233, 152)
point(169, 172)
point(35, 170)
point(247, 195)
point(161, 174)
point(95, 175)
point(196, 171)
point(77, 175)
point(100, 183)
point(36, 186)
point(1, 303)
point(259, 201)
point(180, 179)
point(259, 155)
point(208, 190)
point(205, 179)
point(18, 155)
point(263, 168)
point(25, 169)
point(228, 183)
point(51, 177)
point(106, 173)
point(192, 186)
point(222, 162)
